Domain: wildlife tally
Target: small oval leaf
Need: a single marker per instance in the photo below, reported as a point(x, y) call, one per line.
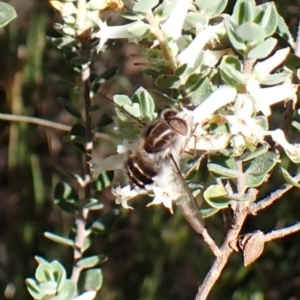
point(69, 107)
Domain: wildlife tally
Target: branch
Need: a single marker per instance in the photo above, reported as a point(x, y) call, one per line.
point(277, 234)
point(164, 48)
point(256, 207)
point(239, 217)
point(46, 123)
point(83, 35)
point(226, 250)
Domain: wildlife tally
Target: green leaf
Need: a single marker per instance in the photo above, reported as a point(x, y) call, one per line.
point(139, 29)
point(195, 20)
point(284, 32)
point(257, 171)
point(250, 33)
point(133, 16)
point(80, 61)
point(216, 196)
point(262, 164)
point(44, 272)
point(66, 43)
point(231, 68)
point(296, 125)
point(181, 70)
point(103, 77)
point(224, 167)
point(86, 296)
point(68, 288)
point(7, 14)
point(251, 155)
point(221, 171)
point(144, 6)
point(69, 107)
point(90, 280)
point(212, 8)
point(103, 180)
point(65, 197)
point(76, 136)
point(292, 61)
point(168, 81)
point(274, 79)
point(289, 179)
point(145, 101)
point(266, 16)
point(33, 288)
point(59, 239)
point(241, 197)
point(208, 212)
point(65, 172)
point(92, 261)
point(202, 92)
point(125, 102)
point(59, 273)
point(243, 11)
point(263, 49)
point(236, 42)
point(64, 83)
point(106, 222)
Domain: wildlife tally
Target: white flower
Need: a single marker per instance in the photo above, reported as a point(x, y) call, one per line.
point(172, 27)
point(293, 151)
point(242, 121)
point(161, 197)
point(189, 54)
point(113, 32)
point(265, 67)
point(113, 162)
point(214, 142)
point(265, 97)
point(224, 95)
point(123, 195)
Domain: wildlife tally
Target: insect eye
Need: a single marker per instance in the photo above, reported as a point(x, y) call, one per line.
point(168, 114)
point(178, 125)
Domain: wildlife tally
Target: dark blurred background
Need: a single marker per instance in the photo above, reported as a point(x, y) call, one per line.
point(151, 254)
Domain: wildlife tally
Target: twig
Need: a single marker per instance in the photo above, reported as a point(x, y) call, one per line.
point(83, 35)
point(277, 234)
point(165, 50)
point(256, 207)
point(45, 123)
point(297, 46)
point(239, 217)
point(226, 250)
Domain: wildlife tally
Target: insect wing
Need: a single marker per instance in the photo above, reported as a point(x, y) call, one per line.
point(187, 203)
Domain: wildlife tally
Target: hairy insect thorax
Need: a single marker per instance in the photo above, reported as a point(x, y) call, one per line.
point(151, 155)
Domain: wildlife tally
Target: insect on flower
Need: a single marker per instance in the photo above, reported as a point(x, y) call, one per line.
point(152, 162)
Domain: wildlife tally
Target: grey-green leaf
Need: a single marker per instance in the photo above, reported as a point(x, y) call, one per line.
point(69, 107)
point(65, 196)
point(7, 14)
point(250, 33)
point(59, 239)
point(263, 49)
point(144, 6)
point(243, 11)
point(221, 171)
point(91, 280)
point(168, 81)
point(266, 16)
point(251, 155)
point(289, 179)
point(92, 261)
point(216, 196)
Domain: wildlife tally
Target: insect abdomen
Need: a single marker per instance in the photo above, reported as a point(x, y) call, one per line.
point(139, 171)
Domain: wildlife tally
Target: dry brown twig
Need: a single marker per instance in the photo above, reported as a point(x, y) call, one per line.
point(240, 213)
